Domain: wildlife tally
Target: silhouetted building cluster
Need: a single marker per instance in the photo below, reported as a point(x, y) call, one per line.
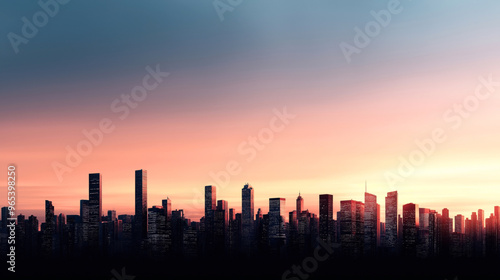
point(160, 231)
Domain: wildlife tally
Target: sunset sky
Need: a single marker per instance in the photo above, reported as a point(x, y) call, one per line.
point(352, 121)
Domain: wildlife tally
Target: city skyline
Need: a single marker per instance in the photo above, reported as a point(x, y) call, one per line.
point(160, 233)
point(211, 203)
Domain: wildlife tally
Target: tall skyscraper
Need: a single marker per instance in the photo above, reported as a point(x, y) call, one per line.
point(444, 233)
point(424, 245)
point(352, 227)
point(490, 237)
point(277, 221)
point(48, 233)
point(157, 230)
point(210, 207)
point(424, 218)
point(391, 220)
point(178, 225)
point(32, 235)
point(95, 209)
point(410, 229)
point(247, 217)
point(210, 199)
point(167, 207)
point(141, 204)
point(300, 205)
point(459, 224)
point(480, 225)
point(371, 224)
point(221, 223)
point(84, 216)
point(326, 230)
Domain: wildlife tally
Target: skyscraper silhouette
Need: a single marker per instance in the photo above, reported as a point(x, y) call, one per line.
point(391, 221)
point(459, 224)
point(480, 225)
point(300, 205)
point(352, 227)
point(277, 235)
point(157, 231)
point(95, 209)
point(141, 204)
point(326, 230)
point(210, 199)
point(371, 224)
point(49, 231)
point(84, 216)
point(221, 223)
point(247, 217)
point(210, 206)
point(167, 207)
point(410, 229)
point(444, 233)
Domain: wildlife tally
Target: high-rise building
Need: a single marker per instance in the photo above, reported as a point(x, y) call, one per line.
point(234, 232)
point(423, 246)
point(221, 224)
point(95, 209)
point(480, 225)
point(304, 232)
point(178, 225)
point(210, 206)
point(247, 217)
point(111, 215)
point(300, 204)
point(433, 232)
point(474, 234)
point(31, 235)
point(445, 233)
point(410, 229)
point(371, 224)
point(210, 199)
point(326, 230)
point(84, 216)
point(490, 236)
point(459, 223)
point(391, 221)
point(167, 207)
point(277, 221)
point(382, 234)
point(292, 234)
point(157, 230)
point(49, 231)
point(352, 227)
point(141, 204)
point(424, 218)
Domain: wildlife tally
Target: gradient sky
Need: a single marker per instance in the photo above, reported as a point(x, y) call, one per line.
point(353, 120)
